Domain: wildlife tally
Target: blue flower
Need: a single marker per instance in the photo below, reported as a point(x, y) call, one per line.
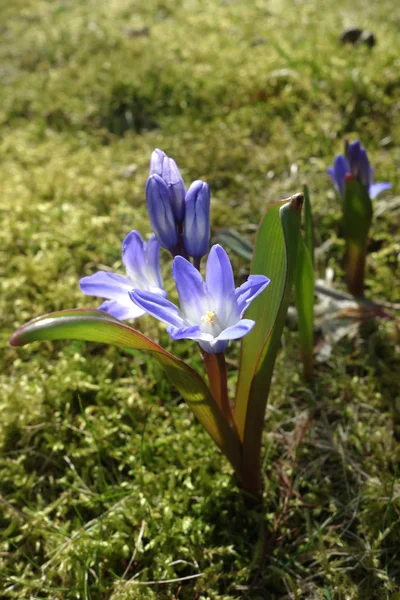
point(166, 168)
point(142, 264)
point(357, 164)
point(212, 311)
point(196, 231)
point(160, 212)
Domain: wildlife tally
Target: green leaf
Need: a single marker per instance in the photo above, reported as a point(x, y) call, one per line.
point(269, 259)
point(357, 219)
point(304, 295)
point(235, 242)
point(308, 223)
point(97, 326)
point(274, 255)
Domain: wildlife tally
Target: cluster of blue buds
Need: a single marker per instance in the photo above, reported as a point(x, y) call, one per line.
point(180, 219)
point(212, 310)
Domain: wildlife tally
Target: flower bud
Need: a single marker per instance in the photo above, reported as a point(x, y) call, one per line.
point(167, 169)
point(359, 163)
point(160, 212)
point(196, 230)
point(355, 161)
point(156, 162)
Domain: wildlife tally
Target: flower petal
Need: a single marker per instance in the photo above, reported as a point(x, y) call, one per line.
point(219, 275)
point(156, 162)
point(355, 159)
point(353, 156)
point(159, 307)
point(191, 289)
point(221, 285)
point(196, 230)
point(167, 169)
point(122, 311)
point(340, 168)
point(106, 285)
point(176, 187)
point(331, 173)
point(218, 344)
point(153, 263)
point(249, 290)
point(235, 332)
point(133, 255)
point(179, 333)
point(160, 211)
point(376, 188)
point(364, 168)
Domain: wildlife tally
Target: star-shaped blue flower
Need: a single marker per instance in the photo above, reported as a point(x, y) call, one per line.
point(212, 310)
point(142, 264)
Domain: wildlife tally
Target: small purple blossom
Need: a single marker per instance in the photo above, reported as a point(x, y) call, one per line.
point(196, 231)
point(357, 164)
point(160, 212)
point(212, 311)
point(142, 264)
point(166, 168)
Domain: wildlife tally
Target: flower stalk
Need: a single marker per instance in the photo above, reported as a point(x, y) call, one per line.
point(215, 366)
point(356, 256)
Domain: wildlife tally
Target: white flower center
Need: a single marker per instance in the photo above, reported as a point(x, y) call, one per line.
point(209, 317)
point(145, 280)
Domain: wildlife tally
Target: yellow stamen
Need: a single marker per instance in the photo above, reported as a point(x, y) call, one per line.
point(209, 317)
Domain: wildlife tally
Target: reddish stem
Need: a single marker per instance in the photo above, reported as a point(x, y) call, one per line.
point(355, 269)
point(217, 376)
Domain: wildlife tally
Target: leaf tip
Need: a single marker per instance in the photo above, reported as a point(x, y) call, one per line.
point(15, 339)
point(296, 202)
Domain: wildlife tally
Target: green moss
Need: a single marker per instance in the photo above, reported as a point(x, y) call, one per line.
point(106, 481)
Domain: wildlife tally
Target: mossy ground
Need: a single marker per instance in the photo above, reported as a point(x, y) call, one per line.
point(104, 474)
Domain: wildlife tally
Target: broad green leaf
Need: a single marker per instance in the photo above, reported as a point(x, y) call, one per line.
point(274, 255)
point(235, 242)
point(304, 295)
point(97, 326)
point(308, 223)
point(268, 259)
point(357, 219)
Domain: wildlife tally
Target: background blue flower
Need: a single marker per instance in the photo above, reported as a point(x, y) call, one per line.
point(357, 164)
